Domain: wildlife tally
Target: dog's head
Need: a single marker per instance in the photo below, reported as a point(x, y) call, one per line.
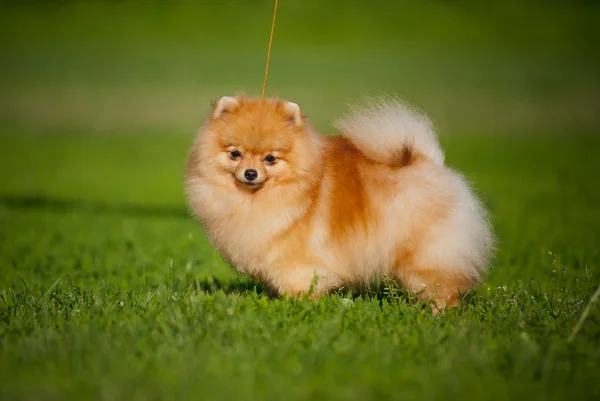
point(256, 143)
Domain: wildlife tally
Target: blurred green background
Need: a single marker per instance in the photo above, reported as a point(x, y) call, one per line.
point(495, 66)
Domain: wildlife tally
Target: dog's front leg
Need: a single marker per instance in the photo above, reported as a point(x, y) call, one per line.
point(304, 280)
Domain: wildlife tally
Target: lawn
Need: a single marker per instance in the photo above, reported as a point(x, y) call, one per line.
point(110, 291)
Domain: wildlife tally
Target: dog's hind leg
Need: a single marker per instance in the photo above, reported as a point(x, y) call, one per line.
point(444, 287)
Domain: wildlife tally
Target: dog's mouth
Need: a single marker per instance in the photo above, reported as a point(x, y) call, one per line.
point(253, 185)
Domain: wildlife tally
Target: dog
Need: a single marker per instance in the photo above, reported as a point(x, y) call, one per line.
point(304, 213)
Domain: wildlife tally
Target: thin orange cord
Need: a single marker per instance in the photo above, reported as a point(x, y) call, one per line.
point(269, 51)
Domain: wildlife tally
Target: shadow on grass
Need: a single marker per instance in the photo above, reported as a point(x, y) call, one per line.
point(390, 291)
point(233, 286)
point(241, 285)
point(387, 291)
point(39, 202)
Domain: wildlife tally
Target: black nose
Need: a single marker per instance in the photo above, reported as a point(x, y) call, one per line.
point(250, 174)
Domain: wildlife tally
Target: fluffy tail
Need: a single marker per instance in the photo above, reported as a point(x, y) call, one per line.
point(391, 132)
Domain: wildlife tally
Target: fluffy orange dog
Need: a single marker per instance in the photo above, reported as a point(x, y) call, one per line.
point(284, 204)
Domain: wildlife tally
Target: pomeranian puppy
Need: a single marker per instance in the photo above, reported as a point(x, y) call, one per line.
point(304, 213)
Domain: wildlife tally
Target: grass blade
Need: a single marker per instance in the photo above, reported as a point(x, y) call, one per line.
point(584, 315)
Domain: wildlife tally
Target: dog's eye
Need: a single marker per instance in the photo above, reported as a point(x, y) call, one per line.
point(270, 159)
point(235, 154)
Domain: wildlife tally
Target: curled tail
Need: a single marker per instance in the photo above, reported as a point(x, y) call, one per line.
point(391, 132)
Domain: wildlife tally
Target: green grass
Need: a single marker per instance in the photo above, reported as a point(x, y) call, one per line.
point(110, 291)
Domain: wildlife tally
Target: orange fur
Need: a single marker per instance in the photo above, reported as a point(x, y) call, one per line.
point(348, 201)
point(329, 207)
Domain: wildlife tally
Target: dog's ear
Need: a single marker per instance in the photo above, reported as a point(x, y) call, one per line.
point(223, 106)
point(294, 113)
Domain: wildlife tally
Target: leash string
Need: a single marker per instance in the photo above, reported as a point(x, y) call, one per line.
point(269, 51)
